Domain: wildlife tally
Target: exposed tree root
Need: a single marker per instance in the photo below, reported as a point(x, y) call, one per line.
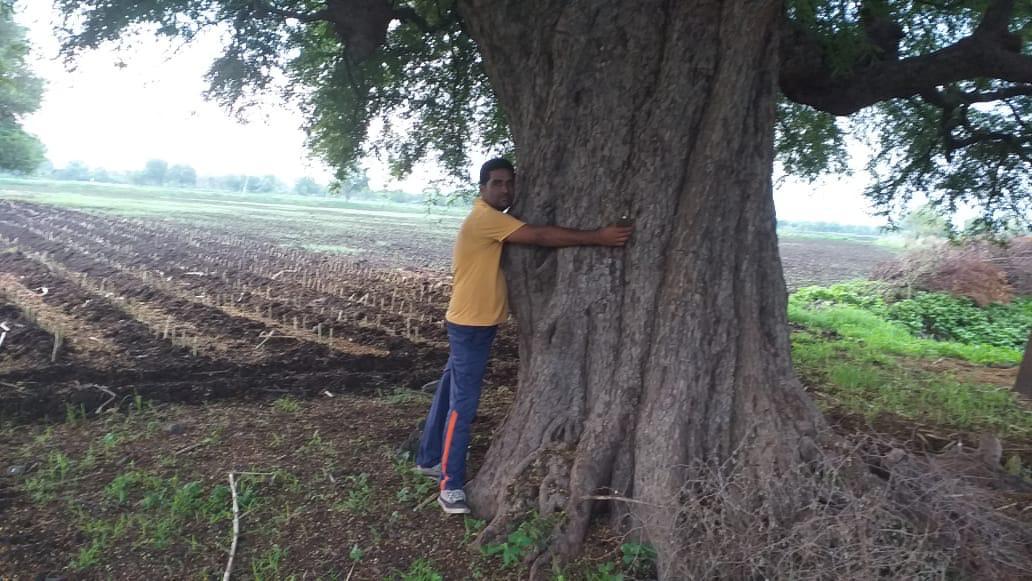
point(856, 510)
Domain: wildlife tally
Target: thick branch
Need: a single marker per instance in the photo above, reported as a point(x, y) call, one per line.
point(955, 107)
point(996, 18)
point(990, 52)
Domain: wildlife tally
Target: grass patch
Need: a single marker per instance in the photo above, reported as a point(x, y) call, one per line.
point(859, 349)
point(287, 405)
point(420, 570)
point(359, 495)
point(920, 324)
point(862, 377)
point(401, 396)
point(875, 332)
point(55, 472)
point(414, 486)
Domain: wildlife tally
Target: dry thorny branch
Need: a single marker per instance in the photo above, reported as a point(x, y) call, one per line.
point(869, 511)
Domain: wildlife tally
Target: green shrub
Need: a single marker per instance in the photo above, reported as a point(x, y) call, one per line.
point(946, 318)
point(936, 316)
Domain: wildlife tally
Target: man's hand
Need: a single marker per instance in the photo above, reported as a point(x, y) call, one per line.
point(614, 235)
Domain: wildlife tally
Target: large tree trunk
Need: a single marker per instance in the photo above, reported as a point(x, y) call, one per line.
point(1023, 384)
point(640, 365)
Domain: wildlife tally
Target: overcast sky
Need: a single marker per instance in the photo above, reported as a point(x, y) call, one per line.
point(117, 110)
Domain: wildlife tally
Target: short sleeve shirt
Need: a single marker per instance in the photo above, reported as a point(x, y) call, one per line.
point(479, 295)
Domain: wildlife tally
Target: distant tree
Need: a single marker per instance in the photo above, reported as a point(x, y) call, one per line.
point(102, 175)
point(307, 186)
point(266, 184)
point(154, 173)
point(20, 94)
point(401, 197)
point(355, 184)
point(74, 171)
point(181, 175)
point(925, 223)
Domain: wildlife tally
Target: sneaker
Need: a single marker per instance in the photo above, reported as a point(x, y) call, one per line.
point(430, 471)
point(453, 502)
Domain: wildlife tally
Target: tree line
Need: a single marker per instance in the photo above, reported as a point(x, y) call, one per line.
point(160, 173)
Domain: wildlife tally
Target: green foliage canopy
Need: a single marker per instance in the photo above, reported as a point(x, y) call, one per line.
point(20, 94)
point(941, 89)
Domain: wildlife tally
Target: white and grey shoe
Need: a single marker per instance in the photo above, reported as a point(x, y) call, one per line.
point(453, 502)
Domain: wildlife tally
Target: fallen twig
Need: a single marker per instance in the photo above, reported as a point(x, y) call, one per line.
point(264, 341)
point(236, 528)
point(190, 447)
point(423, 504)
point(110, 399)
point(618, 499)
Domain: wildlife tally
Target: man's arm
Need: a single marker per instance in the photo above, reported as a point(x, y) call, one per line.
point(558, 237)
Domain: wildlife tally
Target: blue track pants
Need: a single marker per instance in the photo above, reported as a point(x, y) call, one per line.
point(446, 435)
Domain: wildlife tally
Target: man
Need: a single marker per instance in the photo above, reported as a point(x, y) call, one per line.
point(479, 303)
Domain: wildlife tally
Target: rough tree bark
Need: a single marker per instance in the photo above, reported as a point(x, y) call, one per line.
point(637, 364)
point(1023, 384)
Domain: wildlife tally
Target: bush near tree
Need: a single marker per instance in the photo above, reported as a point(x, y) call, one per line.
point(985, 272)
point(931, 315)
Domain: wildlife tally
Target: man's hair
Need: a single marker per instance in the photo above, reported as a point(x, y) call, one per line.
point(493, 164)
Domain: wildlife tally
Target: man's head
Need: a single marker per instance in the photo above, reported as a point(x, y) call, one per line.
point(498, 183)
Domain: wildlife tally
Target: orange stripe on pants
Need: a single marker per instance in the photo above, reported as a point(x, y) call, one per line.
point(447, 446)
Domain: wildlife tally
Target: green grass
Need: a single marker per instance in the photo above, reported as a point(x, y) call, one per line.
point(287, 405)
point(865, 362)
point(864, 378)
point(875, 332)
point(55, 472)
point(956, 325)
point(358, 499)
point(267, 565)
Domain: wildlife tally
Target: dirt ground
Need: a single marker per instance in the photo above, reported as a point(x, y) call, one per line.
point(176, 356)
point(174, 314)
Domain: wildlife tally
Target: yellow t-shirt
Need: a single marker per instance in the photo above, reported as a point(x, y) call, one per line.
point(479, 295)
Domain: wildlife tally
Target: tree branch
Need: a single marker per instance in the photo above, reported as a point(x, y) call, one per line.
point(996, 18)
point(990, 51)
point(997, 95)
point(263, 7)
point(955, 107)
point(408, 14)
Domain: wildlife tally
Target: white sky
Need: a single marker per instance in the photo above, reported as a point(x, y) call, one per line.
point(118, 117)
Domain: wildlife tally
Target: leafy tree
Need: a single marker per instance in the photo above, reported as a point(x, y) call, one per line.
point(155, 173)
point(20, 94)
point(74, 171)
point(925, 223)
point(181, 175)
point(354, 184)
point(307, 186)
point(267, 184)
point(643, 369)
